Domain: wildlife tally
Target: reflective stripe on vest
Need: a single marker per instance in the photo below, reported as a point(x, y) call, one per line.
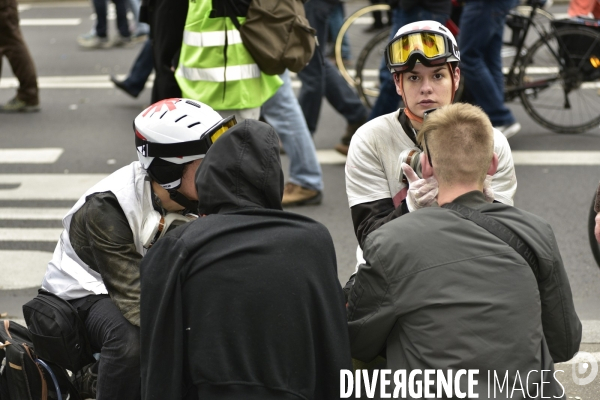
point(210, 39)
point(233, 73)
point(229, 81)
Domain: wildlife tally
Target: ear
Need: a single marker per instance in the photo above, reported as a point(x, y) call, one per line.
point(493, 165)
point(398, 84)
point(426, 169)
point(456, 78)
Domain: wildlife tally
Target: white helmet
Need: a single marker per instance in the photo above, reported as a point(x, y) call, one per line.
point(174, 132)
point(428, 42)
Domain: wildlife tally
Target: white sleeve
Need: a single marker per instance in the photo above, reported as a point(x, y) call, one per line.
point(365, 177)
point(504, 181)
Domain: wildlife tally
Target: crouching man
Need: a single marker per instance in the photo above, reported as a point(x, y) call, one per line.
point(244, 302)
point(441, 292)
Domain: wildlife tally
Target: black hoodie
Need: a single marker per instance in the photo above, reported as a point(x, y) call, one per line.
point(243, 303)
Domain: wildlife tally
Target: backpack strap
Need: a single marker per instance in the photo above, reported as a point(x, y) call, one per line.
point(84, 309)
point(501, 231)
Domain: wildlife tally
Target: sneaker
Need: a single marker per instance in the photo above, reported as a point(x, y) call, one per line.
point(509, 130)
point(92, 41)
point(120, 41)
point(138, 37)
point(296, 195)
point(342, 147)
point(15, 105)
point(86, 381)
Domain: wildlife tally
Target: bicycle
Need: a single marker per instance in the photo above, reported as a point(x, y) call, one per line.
point(557, 77)
point(594, 245)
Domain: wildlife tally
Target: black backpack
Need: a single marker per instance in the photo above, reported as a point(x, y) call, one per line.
point(22, 375)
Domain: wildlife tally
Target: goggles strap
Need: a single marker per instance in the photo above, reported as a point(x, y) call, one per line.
point(190, 205)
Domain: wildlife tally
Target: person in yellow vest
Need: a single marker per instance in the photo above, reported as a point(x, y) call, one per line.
point(214, 65)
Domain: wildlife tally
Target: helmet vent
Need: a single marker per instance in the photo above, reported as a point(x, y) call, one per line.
point(194, 124)
point(192, 103)
point(180, 118)
point(163, 114)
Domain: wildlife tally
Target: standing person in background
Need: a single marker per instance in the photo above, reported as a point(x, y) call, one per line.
point(98, 37)
point(139, 72)
point(216, 68)
point(480, 41)
point(12, 45)
point(584, 8)
point(140, 29)
point(321, 78)
point(377, 18)
point(166, 19)
point(282, 112)
point(405, 12)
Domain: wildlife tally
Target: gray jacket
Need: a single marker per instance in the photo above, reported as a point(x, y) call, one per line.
point(440, 292)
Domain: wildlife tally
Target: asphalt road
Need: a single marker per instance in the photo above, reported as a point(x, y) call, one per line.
point(84, 133)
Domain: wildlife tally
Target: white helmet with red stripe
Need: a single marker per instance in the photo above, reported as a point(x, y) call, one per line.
point(174, 132)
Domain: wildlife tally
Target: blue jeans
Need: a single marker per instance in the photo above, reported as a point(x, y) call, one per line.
point(336, 20)
point(141, 70)
point(141, 28)
point(118, 341)
point(100, 6)
point(320, 78)
point(480, 44)
point(284, 114)
point(389, 99)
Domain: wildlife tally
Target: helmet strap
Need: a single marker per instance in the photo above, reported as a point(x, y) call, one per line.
point(189, 205)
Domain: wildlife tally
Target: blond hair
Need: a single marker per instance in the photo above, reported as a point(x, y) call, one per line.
point(460, 140)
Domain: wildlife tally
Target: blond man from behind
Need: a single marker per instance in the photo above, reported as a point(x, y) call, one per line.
point(440, 292)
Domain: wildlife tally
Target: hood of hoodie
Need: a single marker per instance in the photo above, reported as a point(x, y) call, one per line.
point(242, 169)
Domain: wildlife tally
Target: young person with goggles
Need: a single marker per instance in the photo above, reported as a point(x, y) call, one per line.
point(96, 264)
point(423, 58)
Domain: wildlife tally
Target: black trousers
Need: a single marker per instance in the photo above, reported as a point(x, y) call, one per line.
point(14, 48)
point(118, 342)
point(167, 20)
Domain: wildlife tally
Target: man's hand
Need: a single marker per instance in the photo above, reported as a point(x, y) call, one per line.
point(597, 229)
point(421, 192)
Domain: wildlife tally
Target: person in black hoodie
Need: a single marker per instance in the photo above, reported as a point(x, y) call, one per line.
point(245, 301)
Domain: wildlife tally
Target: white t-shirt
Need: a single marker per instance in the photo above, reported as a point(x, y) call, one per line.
point(373, 169)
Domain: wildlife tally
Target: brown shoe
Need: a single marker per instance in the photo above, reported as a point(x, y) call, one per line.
point(296, 195)
point(342, 148)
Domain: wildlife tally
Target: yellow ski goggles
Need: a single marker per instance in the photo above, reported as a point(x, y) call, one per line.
point(429, 48)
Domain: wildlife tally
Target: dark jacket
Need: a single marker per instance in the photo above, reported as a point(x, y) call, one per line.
point(243, 303)
point(440, 292)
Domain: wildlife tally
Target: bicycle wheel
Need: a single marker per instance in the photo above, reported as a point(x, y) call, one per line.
point(353, 25)
point(559, 80)
point(595, 246)
point(367, 68)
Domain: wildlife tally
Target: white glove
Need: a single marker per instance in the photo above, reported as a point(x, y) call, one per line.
point(421, 192)
point(488, 192)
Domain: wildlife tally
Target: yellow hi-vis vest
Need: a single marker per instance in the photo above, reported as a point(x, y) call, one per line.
point(204, 75)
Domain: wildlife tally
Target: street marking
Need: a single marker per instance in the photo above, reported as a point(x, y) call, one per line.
point(50, 21)
point(580, 359)
point(33, 213)
point(556, 157)
point(519, 157)
point(330, 157)
point(71, 82)
point(26, 269)
point(47, 186)
point(29, 234)
point(591, 332)
point(30, 156)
